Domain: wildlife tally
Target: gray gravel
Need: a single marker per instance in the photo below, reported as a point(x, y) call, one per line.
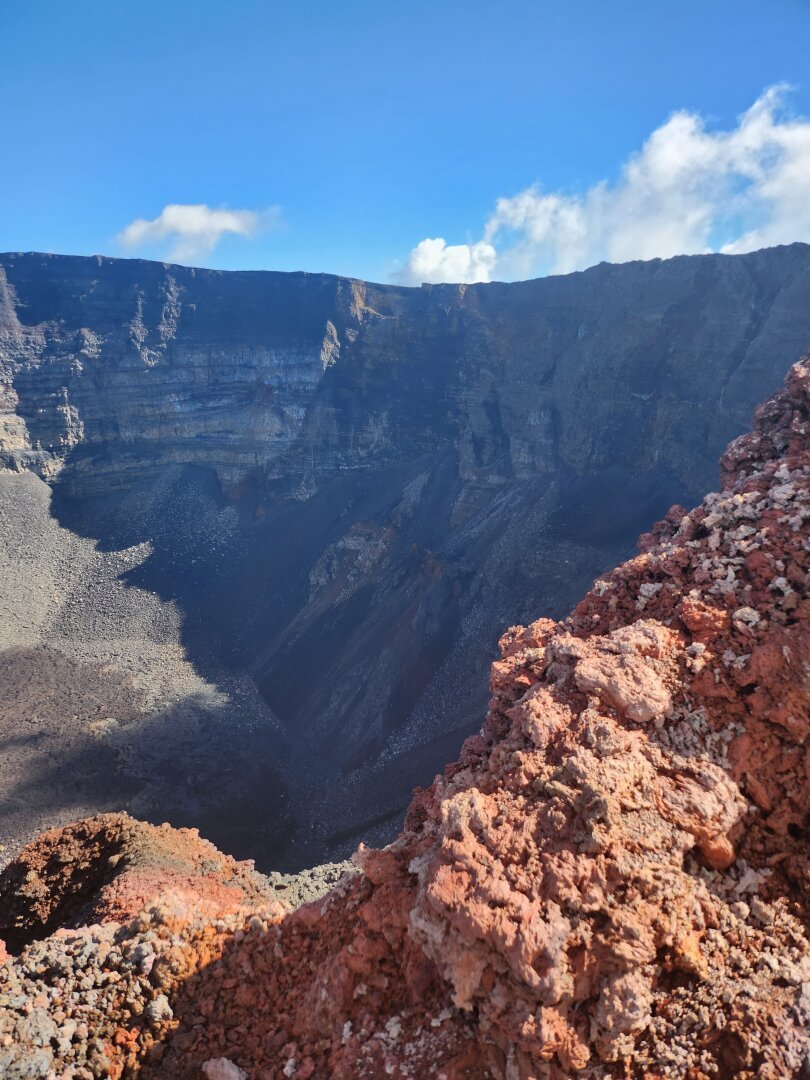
point(301, 888)
point(99, 707)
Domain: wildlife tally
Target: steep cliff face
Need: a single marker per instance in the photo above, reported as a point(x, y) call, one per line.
point(113, 366)
point(154, 364)
point(612, 881)
point(343, 490)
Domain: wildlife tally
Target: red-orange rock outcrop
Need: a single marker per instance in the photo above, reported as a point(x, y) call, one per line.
point(109, 868)
point(613, 879)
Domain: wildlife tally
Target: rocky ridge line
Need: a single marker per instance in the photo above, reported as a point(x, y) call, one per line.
point(613, 880)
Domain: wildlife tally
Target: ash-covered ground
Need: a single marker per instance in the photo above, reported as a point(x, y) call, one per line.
point(99, 705)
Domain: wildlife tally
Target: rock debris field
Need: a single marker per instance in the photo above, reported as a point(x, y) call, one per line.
point(99, 705)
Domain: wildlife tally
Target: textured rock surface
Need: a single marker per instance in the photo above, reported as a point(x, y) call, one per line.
point(612, 880)
point(336, 492)
point(300, 888)
point(107, 868)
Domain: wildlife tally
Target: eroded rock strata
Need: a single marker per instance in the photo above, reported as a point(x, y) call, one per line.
point(271, 525)
point(612, 880)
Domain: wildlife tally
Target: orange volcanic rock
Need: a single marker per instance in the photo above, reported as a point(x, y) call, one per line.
point(613, 880)
point(109, 868)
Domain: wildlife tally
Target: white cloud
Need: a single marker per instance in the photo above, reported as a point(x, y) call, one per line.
point(435, 260)
point(688, 189)
point(188, 232)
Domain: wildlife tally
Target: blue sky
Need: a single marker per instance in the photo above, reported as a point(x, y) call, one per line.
point(349, 132)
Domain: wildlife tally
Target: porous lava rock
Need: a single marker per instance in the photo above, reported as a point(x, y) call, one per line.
point(108, 868)
point(612, 880)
